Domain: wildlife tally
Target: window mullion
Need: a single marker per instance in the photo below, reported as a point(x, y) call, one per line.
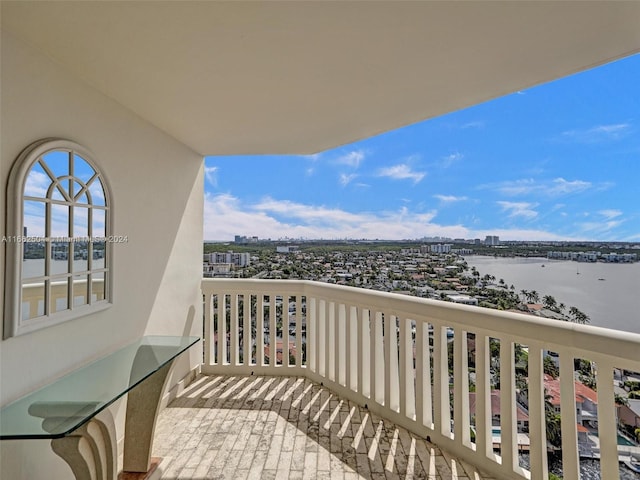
point(90, 255)
point(72, 255)
point(47, 259)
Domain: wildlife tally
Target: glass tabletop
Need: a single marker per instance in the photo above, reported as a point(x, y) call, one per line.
point(59, 408)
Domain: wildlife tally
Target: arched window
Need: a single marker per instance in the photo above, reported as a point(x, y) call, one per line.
point(58, 237)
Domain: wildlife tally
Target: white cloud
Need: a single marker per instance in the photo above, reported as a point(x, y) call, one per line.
point(449, 198)
point(598, 133)
point(37, 184)
point(599, 228)
point(210, 174)
point(610, 214)
point(551, 187)
point(347, 178)
point(519, 209)
point(352, 159)
point(560, 186)
point(518, 187)
point(401, 172)
point(226, 216)
point(451, 159)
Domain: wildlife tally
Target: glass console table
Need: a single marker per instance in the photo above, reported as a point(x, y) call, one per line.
point(72, 411)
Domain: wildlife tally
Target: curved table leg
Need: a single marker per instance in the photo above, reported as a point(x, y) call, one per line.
point(90, 450)
point(143, 405)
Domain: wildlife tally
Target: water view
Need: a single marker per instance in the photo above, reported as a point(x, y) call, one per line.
point(606, 292)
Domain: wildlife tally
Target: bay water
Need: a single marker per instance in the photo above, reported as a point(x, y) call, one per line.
point(609, 293)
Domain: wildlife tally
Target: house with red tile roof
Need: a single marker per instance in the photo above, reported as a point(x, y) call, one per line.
point(586, 401)
point(522, 416)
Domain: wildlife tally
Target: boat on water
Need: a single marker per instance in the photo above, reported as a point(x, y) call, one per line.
point(601, 279)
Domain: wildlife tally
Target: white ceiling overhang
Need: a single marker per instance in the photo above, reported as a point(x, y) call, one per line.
point(301, 77)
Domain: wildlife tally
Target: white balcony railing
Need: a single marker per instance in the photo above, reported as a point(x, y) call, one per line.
point(33, 296)
point(392, 353)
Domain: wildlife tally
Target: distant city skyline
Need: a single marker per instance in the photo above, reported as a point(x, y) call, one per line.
point(560, 161)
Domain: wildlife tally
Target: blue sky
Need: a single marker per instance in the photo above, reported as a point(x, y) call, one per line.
point(560, 161)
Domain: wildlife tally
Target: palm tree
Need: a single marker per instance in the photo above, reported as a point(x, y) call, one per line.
point(549, 367)
point(535, 297)
point(578, 317)
point(550, 302)
point(620, 400)
point(573, 311)
point(552, 421)
point(583, 318)
point(525, 294)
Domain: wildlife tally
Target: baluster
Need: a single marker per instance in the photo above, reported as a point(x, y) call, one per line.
point(222, 329)
point(537, 417)
point(338, 339)
point(322, 328)
point(298, 317)
point(273, 333)
point(377, 352)
point(260, 330)
point(234, 329)
point(407, 377)
point(484, 443)
point(351, 350)
point(247, 334)
point(461, 387)
point(364, 357)
point(441, 406)
point(570, 460)
point(508, 432)
point(284, 320)
point(312, 334)
point(607, 431)
point(208, 330)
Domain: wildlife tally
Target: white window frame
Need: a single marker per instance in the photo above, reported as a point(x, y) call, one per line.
point(14, 324)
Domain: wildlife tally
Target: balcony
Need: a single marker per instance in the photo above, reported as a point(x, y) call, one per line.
point(289, 427)
point(411, 363)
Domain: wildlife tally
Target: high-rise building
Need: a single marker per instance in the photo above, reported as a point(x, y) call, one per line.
point(492, 240)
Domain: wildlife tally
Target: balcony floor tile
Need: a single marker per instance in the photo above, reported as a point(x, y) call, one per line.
point(266, 427)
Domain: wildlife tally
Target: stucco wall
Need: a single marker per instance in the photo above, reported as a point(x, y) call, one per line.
point(157, 185)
